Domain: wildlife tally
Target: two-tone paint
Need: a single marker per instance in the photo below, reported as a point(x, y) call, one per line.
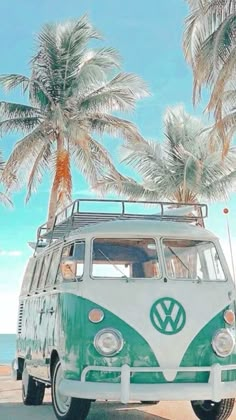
point(55, 321)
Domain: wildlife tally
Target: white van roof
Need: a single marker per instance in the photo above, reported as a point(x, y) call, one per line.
point(146, 227)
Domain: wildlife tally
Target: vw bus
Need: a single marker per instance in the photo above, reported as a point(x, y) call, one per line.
point(128, 305)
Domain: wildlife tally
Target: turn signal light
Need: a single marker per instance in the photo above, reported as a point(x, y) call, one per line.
point(96, 315)
point(229, 317)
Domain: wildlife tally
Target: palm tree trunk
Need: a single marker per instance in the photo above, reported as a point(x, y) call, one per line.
point(52, 207)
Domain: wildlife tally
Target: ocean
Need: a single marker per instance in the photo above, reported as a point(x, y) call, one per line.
point(7, 348)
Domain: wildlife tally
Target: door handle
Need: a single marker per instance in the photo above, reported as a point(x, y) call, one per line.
point(51, 311)
point(41, 312)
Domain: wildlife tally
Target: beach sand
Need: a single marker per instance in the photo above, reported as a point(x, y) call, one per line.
point(11, 406)
point(5, 370)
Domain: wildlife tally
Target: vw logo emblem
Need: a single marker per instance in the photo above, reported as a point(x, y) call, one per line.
point(168, 316)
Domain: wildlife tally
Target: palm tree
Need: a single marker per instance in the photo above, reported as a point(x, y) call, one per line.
point(73, 92)
point(4, 199)
point(210, 48)
point(186, 167)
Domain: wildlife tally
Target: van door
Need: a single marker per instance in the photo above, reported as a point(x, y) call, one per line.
point(39, 315)
point(51, 298)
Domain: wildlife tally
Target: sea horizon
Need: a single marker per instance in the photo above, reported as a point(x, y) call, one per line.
point(7, 348)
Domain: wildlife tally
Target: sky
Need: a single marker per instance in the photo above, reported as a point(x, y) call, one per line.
point(148, 35)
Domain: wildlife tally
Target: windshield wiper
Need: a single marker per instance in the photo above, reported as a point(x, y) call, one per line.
point(117, 268)
point(183, 264)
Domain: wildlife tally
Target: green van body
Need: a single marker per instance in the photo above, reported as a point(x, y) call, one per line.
point(171, 359)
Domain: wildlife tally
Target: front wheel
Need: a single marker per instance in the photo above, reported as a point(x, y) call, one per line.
point(32, 391)
point(66, 408)
point(210, 410)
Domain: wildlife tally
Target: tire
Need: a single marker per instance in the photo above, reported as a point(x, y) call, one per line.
point(210, 410)
point(66, 408)
point(32, 391)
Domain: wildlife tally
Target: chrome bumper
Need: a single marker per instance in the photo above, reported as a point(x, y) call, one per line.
point(124, 391)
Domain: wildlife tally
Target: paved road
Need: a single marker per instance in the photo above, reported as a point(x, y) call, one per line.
point(11, 408)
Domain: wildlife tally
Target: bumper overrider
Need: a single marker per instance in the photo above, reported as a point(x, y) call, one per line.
point(125, 391)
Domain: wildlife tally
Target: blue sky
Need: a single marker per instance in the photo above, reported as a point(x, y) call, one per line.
point(148, 35)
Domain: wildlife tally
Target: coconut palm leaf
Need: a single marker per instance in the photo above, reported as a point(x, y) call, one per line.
point(12, 81)
point(209, 45)
point(9, 110)
point(24, 153)
point(4, 199)
point(40, 166)
point(73, 91)
point(92, 158)
point(186, 170)
point(24, 124)
point(125, 186)
point(119, 94)
point(101, 123)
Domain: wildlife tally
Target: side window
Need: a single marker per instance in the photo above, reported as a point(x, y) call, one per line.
point(54, 263)
point(72, 262)
point(37, 273)
point(79, 250)
point(28, 276)
point(44, 271)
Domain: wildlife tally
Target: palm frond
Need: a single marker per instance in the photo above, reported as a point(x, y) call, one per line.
point(13, 110)
point(24, 124)
point(125, 187)
point(1, 162)
point(41, 164)
point(112, 125)
point(90, 157)
point(183, 168)
point(12, 81)
point(24, 153)
point(5, 200)
point(92, 68)
point(222, 79)
point(119, 94)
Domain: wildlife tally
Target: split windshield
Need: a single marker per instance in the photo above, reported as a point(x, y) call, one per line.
point(125, 258)
point(192, 260)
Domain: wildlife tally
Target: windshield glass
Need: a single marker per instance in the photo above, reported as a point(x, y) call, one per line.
point(125, 258)
point(192, 259)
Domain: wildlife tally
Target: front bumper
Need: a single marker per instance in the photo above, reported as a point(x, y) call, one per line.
point(124, 391)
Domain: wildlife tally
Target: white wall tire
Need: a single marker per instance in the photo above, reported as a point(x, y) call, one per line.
point(66, 408)
point(32, 391)
point(209, 410)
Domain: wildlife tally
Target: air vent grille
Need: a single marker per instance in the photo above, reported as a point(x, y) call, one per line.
point(20, 317)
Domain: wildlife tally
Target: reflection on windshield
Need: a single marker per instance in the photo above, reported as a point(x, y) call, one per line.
point(194, 260)
point(125, 258)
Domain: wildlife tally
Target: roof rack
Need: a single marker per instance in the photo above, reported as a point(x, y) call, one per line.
point(84, 212)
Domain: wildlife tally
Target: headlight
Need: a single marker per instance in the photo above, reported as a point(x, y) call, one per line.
point(223, 343)
point(108, 342)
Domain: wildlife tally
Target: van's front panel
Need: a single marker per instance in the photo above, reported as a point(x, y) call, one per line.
point(158, 303)
point(144, 344)
point(167, 325)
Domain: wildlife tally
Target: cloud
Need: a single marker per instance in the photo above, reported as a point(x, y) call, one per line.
point(4, 253)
